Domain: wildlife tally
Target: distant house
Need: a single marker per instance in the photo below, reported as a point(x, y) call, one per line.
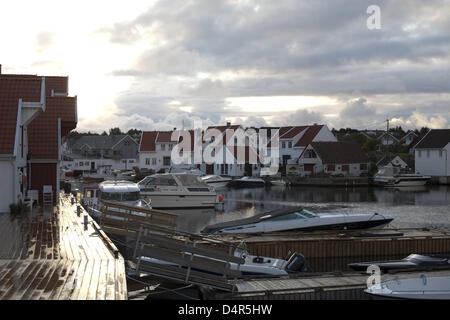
point(155, 150)
point(408, 138)
point(294, 139)
point(432, 154)
point(36, 114)
point(333, 158)
point(393, 161)
point(98, 153)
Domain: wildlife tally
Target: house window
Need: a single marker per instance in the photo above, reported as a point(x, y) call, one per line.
point(363, 166)
point(283, 144)
point(166, 161)
point(163, 147)
point(147, 161)
point(345, 168)
point(130, 161)
point(86, 163)
point(331, 167)
point(126, 143)
point(440, 153)
point(80, 164)
point(154, 161)
point(170, 146)
point(290, 144)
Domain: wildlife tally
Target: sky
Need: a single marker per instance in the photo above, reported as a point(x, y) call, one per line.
point(157, 65)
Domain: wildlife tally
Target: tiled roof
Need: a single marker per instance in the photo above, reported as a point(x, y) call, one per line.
point(292, 132)
point(11, 90)
point(340, 152)
point(308, 136)
point(164, 136)
point(96, 141)
point(435, 139)
point(148, 141)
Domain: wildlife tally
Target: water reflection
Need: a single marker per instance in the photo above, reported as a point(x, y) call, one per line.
point(427, 206)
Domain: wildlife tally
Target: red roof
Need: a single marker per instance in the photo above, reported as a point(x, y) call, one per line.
point(43, 130)
point(340, 152)
point(164, 136)
point(11, 90)
point(148, 141)
point(292, 132)
point(308, 136)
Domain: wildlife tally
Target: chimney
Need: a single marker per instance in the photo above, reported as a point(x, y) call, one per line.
point(0, 69)
point(228, 124)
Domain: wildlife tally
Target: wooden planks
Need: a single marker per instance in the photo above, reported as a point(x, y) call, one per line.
point(50, 256)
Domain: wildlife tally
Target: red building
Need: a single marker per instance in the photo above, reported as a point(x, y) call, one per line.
point(36, 113)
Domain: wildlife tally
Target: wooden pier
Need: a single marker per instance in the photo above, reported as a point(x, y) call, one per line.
point(330, 251)
point(51, 254)
point(313, 287)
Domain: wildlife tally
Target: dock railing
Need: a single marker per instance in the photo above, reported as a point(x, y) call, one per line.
point(125, 220)
point(185, 260)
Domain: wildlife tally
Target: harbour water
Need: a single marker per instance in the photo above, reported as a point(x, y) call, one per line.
point(411, 207)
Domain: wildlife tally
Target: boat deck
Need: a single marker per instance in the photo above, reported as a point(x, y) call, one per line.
point(48, 254)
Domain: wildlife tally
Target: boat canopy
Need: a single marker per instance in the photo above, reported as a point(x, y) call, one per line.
point(275, 215)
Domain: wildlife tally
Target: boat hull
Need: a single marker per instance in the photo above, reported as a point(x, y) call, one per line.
point(421, 288)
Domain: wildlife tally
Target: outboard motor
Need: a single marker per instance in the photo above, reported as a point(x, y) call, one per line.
point(297, 263)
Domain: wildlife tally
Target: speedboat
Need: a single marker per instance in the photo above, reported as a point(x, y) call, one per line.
point(121, 191)
point(393, 177)
point(411, 262)
point(299, 219)
point(177, 190)
point(257, 265)
point(216, 181)
point(247, 182)
point(422, 287)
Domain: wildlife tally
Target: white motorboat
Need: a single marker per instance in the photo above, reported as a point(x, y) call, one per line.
point(422, 287)
point(216, 181)
point(125, 192)
point(393, 177)
point(299, 219)
point(247, 182)
point(177, 190)
point(257, 265)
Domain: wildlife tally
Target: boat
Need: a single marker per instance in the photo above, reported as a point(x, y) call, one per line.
point(216, 181)
point(389, 176)
point(278, 183)
point(122, 191)
point(177, 190)
point(257, 265)
point(247, 182)
point(299, 219)
point(411, 262)
point(422, 288)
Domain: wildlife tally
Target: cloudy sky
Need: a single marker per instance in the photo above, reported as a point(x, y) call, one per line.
point(162, 64)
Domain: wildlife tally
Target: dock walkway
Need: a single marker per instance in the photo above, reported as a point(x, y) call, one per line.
point(48, 254)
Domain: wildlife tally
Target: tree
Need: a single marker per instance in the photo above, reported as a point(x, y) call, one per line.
point(115, 131)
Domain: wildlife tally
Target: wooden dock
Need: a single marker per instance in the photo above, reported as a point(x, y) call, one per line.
point(330, 251)
point(313, 287)
point(50, 254)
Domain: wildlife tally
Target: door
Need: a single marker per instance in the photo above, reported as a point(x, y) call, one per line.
point(309, 167)
point(92, 165)
point(209, 169)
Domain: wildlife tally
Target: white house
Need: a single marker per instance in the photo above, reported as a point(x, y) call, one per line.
point(432, 155)
point(333, 158)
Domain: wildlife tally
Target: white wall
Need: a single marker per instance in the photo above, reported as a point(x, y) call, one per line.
point(6, 189)
point(325, 135)
point(433, 162)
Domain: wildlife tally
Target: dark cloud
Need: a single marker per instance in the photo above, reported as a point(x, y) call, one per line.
point(201, 52)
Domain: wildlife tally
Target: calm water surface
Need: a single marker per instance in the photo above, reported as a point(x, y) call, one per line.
point(427, 206)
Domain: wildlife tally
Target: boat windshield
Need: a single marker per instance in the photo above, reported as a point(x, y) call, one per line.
point(158, 180)
point(119, 196)
point(308, 214)
point(191, 180)
point(290, 216)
